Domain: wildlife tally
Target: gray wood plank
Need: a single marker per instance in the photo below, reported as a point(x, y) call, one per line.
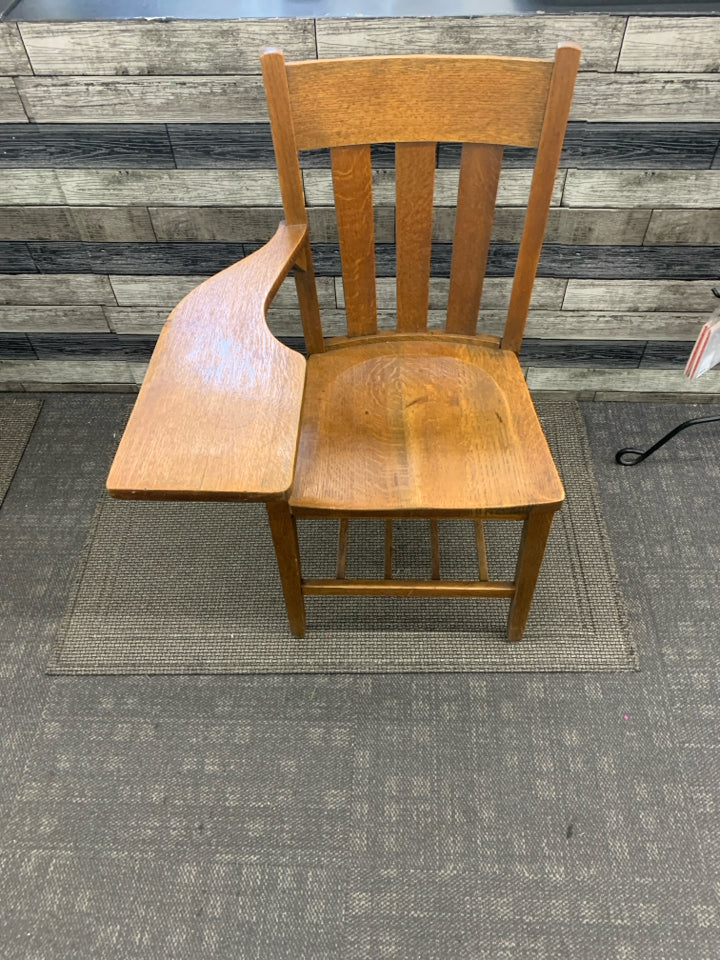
point(22, 187)
point(253, 223)
point(62, 290)
point(564, 225)
point(682, 44)
point(65, 371)
point(11, 106)
point(684, 226)
point(255, 188)
point(75, 223)
point(156, 47)
point(641, 381)
point(650, 188)
point(53, 319)
point(640, 295)
point(513, 188)
point(136, 320)
point(657, 97)
point(548, 293)
point(148, 291)
point(579, 325)
point(142, 99)
point(599, 36)
point(13, 59)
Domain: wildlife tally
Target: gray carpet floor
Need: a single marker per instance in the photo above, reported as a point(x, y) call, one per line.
point(408, 816)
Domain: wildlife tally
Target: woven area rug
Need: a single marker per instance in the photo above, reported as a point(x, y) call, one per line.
point(193, 588)
point(17, 419)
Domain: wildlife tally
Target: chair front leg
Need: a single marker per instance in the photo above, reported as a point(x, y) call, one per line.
point(287, 550)
point(536, 529)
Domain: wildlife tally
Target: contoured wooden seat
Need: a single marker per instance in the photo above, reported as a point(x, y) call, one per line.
point(377, 423)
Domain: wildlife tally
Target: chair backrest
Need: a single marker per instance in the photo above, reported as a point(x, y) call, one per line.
point(485, 103)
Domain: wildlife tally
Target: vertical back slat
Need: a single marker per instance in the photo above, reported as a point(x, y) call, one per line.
point(352, 182)
point(479, 173)
point(557, 111)
point(414, 188)
point(291, 187)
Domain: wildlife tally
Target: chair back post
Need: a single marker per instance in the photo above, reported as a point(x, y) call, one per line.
point(562, 84)
point(291, 188)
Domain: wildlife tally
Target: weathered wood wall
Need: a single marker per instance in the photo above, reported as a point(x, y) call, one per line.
point(136, 160)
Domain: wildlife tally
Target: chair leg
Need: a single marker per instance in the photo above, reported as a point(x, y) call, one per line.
point(532, 549)
point(287, 550)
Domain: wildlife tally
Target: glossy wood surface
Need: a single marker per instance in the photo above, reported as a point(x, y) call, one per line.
point(352, 180)
point(407, 426)
point(551, 140)
point(415, 181)
point(418, 98)
point(477, 190)
point(217, 416)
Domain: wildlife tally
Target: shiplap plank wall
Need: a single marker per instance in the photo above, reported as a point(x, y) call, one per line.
point(137, 160)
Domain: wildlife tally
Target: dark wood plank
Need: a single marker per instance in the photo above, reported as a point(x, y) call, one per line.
point(16, 346)
point(85, 145)
point(604, 146)
point(666, 354)
point(686, 262)
point(17, 258)
point(238, 145)
point(582, 353)
point(91, 346)
point(135, 258)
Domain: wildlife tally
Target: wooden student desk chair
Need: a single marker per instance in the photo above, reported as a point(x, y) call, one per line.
point(384, 424)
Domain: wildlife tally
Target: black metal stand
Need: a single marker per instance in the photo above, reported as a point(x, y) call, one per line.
point(628, 457)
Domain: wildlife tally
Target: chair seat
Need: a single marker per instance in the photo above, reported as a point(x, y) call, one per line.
point(433, 424)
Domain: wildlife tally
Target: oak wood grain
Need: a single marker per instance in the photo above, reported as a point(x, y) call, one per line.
point(477, 190)
point(352, 180)
point(414, 99)
point(415, 177)
point(378, 418)
point(217, 416)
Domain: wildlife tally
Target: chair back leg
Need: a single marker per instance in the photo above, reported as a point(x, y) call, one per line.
point(536, 529)
point(287, 550)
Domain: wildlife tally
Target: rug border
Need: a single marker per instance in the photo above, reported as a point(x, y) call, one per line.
point(55, 665)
